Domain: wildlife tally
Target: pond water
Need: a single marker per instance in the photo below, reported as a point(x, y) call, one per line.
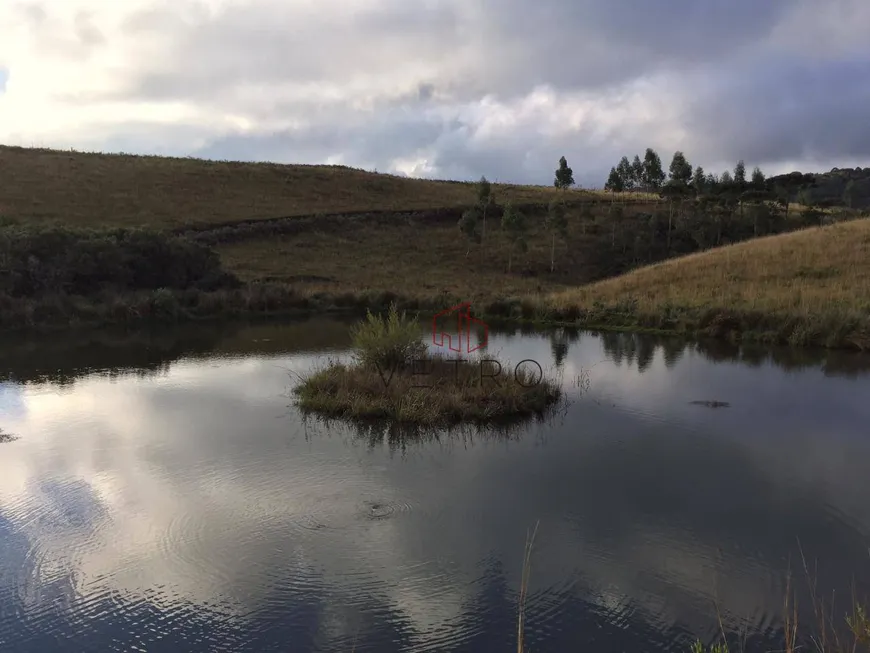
point(162, 494)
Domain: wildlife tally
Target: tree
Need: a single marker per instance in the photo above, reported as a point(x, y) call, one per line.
point(468, 226)
point(680, 170)
point(653, 175)
point(485, 199)
point(783, 199)
point(712, 182)
point(849, 193)
point(564, 175)
point(614, 182)
point(805, 197)
point(813, 215)
point(725, 179)
point(558, 225)
point(757, 179)
point(740, 174)
point(699, 181)
point(626, 176)
point(616, 215)
point(636, 172)
point(514, 225)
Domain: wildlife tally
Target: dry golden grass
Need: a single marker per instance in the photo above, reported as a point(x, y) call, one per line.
point(405, 260)
point(423, 259)
point(434, 391)
point(822, 271)
point(75, 188)
point(395, 379)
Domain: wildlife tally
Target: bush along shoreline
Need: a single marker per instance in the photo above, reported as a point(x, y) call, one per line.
point(167, 305)
point(394, 378)
point(57, 278)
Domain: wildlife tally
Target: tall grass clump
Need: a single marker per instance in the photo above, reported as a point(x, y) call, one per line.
point(395, 379)
point(387, 342)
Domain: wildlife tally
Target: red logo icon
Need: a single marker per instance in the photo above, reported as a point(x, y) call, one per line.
point(461, 313)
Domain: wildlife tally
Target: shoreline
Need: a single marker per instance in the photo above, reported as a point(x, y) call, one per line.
point(270, 300)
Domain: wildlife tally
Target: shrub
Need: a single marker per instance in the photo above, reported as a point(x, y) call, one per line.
point(47, 261)
point(387, 342)
point(164, 304)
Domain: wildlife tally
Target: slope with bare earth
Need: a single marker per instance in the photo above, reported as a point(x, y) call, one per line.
point(807, 287)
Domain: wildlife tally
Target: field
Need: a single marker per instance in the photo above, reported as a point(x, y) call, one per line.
point(419, 258)
point(812, 271)
point(85, 189)
point(815, 282)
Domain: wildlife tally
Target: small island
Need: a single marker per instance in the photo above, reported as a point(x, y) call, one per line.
point(394, 377)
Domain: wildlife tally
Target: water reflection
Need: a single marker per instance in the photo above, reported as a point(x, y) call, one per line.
point(402, 436)
point(61, 358)
point(189, 509)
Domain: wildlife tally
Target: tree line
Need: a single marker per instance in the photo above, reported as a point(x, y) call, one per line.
point(648, 175)
point(700, 210)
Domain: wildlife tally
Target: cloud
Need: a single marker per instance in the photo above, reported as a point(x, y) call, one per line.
point(444, 88)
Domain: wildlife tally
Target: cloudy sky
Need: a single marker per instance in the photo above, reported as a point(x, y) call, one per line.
point(443, 88)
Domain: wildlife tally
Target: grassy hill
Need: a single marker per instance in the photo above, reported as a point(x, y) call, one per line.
point(807, 287)
point(83, 189)
point(215, 238)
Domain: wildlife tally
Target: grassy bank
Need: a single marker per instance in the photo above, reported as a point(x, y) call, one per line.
point(805, 288)
point(393, 378)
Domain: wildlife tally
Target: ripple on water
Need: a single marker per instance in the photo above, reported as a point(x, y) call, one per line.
point(203, 548)
point(55, 530)
point(375, 510)
point(328, 514)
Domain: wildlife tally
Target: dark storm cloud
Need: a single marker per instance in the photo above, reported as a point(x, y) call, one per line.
point(376, 142)
point(578, 45)
point(783, 109)
point(503, 47)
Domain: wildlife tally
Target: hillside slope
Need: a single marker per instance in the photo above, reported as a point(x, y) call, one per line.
point(809, 286)
point(126, 190)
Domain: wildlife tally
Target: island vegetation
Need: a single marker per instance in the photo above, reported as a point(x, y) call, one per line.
point(393, 377)
point(98, 239)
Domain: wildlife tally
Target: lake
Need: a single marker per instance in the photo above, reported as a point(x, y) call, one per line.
point(163, 494)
